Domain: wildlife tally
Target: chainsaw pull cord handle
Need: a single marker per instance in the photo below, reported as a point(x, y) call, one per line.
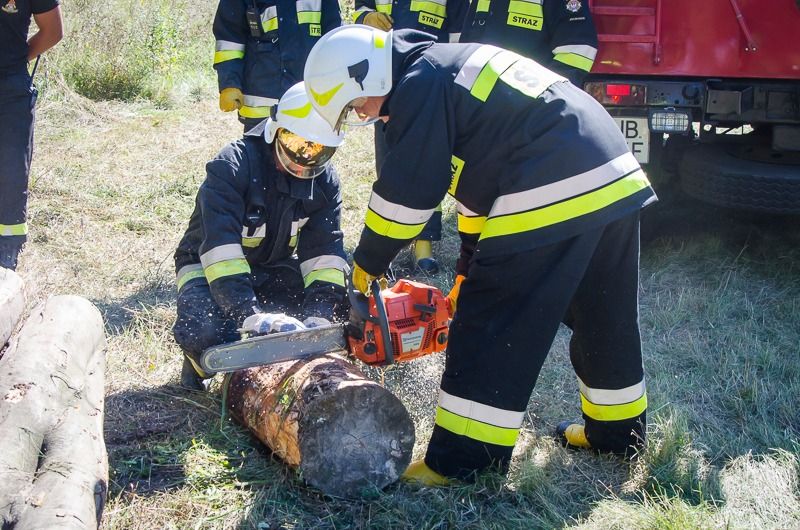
point(383, 322)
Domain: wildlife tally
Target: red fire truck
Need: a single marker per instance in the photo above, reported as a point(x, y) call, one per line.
point(719, 77)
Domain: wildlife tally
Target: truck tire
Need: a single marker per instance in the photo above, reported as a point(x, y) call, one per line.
point(742, 177)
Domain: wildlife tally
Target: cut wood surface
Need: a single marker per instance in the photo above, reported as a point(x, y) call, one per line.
point(346, 434)
point(52, 455)
point(12, 303)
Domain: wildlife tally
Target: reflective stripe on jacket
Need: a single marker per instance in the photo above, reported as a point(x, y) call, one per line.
point(559, 34)
point(441, 18)
point(241, 220)
point(529, 158)
point(263, 69)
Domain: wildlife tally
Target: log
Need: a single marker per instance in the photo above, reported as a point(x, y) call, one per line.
point(346, 434)
point(12, 303)
point(52, 456)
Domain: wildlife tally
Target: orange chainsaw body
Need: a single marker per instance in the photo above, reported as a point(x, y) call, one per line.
point(416, 317)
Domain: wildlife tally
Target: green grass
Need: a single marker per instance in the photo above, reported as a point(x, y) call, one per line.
point(113, 185)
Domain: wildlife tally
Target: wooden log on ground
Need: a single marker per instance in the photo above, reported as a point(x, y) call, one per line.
point(346, 434)
point(12, 303)
point(51, 399)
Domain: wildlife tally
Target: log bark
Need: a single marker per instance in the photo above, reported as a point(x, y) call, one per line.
point(346, 434)
point(12, 303)
point(52, 455)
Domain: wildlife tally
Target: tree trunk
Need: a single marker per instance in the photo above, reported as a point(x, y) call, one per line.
point(12, 303)
point(346, 434)
point(52, 454)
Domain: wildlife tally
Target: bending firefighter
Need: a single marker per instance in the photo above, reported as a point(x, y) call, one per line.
point(261, 48)
point(548, 200)
point(442, 19)
point(264, 239)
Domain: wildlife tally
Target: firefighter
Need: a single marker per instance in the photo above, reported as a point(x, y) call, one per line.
point(442, 19)
point(558, 34)
point(548, 199)
point(17, 102)
point(261, 49)
point(264, 239)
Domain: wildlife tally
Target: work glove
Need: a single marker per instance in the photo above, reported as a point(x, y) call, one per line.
point(230, 99)
point(377, 20)
point(452, 296)
point(361, 280)
point(315, 322)
point(263, 323)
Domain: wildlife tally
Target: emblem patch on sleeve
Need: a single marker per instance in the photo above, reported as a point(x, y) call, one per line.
point(10, 7)
point(573, 6)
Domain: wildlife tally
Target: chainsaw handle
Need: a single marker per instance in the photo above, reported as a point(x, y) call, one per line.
point(383, 322)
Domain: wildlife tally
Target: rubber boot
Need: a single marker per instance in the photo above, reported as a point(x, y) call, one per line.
point(423, 254)
point(193, 378)
point(420, 474)
point(8, 255)
point(572, 435)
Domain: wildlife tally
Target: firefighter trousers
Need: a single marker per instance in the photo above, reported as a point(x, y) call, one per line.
point(17, 101)
point(201, 323)
point(509, 310)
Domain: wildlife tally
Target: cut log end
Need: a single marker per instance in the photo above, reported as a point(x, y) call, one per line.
point(355, 441)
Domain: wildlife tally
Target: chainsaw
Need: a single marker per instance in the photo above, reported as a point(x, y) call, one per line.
point(396, 324)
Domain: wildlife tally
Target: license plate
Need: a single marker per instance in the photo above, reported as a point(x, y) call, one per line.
point(637, 133)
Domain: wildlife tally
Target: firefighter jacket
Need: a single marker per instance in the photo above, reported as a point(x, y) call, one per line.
point(529, 158)
point(441, 18)
point(559, 34)
point(248, 212)
point(263, 68)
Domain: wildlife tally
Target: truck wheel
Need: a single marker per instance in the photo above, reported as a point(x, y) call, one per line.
point(742, 176)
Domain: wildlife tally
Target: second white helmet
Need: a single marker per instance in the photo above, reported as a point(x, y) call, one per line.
point(345, 64)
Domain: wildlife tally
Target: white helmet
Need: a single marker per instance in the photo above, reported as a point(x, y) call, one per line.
point(347, 63)
point(304, 142)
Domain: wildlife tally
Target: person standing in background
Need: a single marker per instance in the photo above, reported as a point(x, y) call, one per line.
point(17, 102)
point(261, 50)
point(558, 34)
point(443, 19)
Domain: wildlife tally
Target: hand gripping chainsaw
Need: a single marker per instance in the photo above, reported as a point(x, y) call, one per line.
point(401, 323)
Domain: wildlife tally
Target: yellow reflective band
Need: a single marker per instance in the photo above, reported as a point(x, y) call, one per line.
point(470, 225)
point(456, 166)
point(227, 55)
point(293, 241)
point(429, 7)
point(191, 275)
point(382, 8)
point(524, 21)
point(270, 24)
point(251, 242)
point(525, 8)
point(229, 267)
point(625, 411)
point(356, 15)
point(300, 112)
point(573, 59)
point(387, 228)
point(483, 6)
point(486, 80)
point(14, 230)
point(566, 210)
point(324, 98)
point(483, 432)
point(334, 276)
point(309, 17)
point(247, 111)
point(430, 20)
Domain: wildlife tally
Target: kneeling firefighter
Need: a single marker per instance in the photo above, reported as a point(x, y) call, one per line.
point(264, 239)
point(548, 198)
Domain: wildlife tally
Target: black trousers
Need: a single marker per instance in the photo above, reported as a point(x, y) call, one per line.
point(509, 310)
point(201, 323)
point(432, 231)
point(17, 101)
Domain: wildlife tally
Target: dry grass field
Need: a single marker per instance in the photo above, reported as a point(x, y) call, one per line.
point(126, 121)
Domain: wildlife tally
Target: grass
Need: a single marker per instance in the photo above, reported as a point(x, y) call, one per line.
point(113, 184)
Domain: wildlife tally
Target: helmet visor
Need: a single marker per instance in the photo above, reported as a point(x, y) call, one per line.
point(349, 116)
point(300, 157)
